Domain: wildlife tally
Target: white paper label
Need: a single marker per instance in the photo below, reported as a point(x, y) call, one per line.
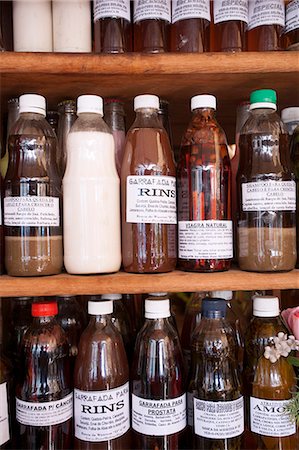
point(269, 196)
point(151, 199)
point(4, 423)
point(158, 417)
point(31, 211)
point(265, 12)
point(230, 10)
point(117, 8)
point(190, 9)
point(43, 414)
point(270, 418)
point(206, 239)
point(292, 16)
point(152, 9)
point(219, 420)
point(102, 415)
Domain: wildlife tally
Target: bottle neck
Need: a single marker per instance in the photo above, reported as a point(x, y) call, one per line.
point(42, 320)
point(100, 320)
point(147, 118)
point(207, 113)
point(115, 117)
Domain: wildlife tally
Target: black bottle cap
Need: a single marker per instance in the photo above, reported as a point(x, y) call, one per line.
point(213, 308)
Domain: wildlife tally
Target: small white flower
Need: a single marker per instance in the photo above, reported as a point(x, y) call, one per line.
point(271, 353)
point(293, 343)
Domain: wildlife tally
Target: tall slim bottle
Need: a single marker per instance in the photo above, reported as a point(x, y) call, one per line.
point(6, 388)
point(67, 116)
point(115, 119)
point(291, 30)
point(101, 381)
point(204, 192)
point(148, 193)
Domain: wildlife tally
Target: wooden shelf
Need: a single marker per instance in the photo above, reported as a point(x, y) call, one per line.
point(126, 283)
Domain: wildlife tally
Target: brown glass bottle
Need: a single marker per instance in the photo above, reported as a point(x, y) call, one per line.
point(148, 193)
point(101, 381)
point(1, 227)
point(291, 31)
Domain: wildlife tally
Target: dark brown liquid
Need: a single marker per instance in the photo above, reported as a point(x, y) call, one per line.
point(190, 36)
point(151, 36)
point(229, 36)
point(112, 35)
point(265, 38)
point(291, 40)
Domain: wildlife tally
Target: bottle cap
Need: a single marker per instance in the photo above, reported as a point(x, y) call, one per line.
point(111, 297)
point(290, 114)
point(100, 307)
point(263, 98)
point(32, 103)
point(146, 101)
point(265, 306)
point(227, 295)
point(157, 309)
point(90, 104)
point(213, 308)
point(158, 294)
point(44, 309)
point(203, 101)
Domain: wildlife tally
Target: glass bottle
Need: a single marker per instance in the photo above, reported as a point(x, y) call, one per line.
point(20, 321)
point(163, 114)
point(290, 117)
point(1, 228)
point(151, 26)
point(291, 30)
point(6, 24)
point(32, 203)
point(2, 49)
point(52, 119)
point(158, 381)
point(230, 25)
point(266, 190)
point(148, 193)
point(204, 192)
point(67, 117)
point(92, 230)
point(215, 388)
point(114, 116)
point(101, 380)
point(45, 384)
point(13, 115)
point(266, 21)
point(6, 384)
point(294, 145)
point(112, 26)
point(190, 27)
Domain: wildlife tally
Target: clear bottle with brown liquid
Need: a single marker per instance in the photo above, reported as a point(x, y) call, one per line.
point(101, 381)
point(291, 30)
point(148, 188)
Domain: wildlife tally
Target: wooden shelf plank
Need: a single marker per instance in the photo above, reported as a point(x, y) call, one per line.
point(125, 283)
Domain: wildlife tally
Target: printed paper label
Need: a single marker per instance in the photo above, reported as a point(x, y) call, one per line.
point(269, 196)
point(270, 418)
point(219, 420)
point(230, 10)
point(151, 199)
point(265, 12)
point(44, 413)
point(152, 9)
point(117, 8)
point(292, 16)
point(158, 417)
point(102, 415)
point(206, 239)
point(31, 211)
point(4, 423)
point(190, 9)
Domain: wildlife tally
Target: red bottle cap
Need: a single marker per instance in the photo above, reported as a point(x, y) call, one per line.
point(44, 309)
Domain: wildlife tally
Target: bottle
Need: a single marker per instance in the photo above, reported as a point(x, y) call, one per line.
point(190, 27)
point(6, 382)
point(92, 231)
point(266, 190)
point(71, 26)
point(294, 146)
point(101, 380)
point(32, 203)
point(20, 321)
point(13, 115)
point(115, 119)
point(158, 381)
point(2, 47)
point(230, 26)
point(44, 401)
point(264, 326)
point(6, 24)
point(204, 192)
point(1, 229)
point(215, 388)
point(266, 21)
point(291, 30)
point(163, 114)
point(148, 188)
point(37, 15)
point(67, 116)
point(112, 26)
point(52, 119)
point(290, 117)
point(151, 26)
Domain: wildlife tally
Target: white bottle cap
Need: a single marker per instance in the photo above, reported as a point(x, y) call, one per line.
point(203, 101)
point(157, 309)
point(90, 104)
point(158, 294)
point(265, 306)
point(100, 307)
point(32, 103)
point(146, 101)
point(227, 295)
point(111, 297)
point(290, 114)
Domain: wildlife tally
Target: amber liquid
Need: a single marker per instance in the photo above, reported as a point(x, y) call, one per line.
point(291, 40)
point(112, 35)
point(151, 36)
point(190, 36)
point(265, 38)
point(229, 36)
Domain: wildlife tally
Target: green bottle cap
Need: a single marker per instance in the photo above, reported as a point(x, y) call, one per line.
point(263, 96)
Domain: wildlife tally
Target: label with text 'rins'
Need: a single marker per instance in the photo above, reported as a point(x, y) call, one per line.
point(271, 418)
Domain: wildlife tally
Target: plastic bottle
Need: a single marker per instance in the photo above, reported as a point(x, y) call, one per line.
point(115, 119)
point(158, 381)
point(204, 192)
point(148, 193)
point(290, 117)
point(92, 229)
point(266, 190)
point(67, 117)
point(291, 30)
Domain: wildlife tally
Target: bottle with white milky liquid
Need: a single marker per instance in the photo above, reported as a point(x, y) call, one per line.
point(91, 194)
